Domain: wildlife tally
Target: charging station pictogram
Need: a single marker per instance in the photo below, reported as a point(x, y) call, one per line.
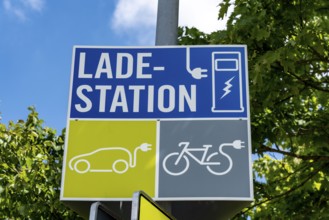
point(157, 118)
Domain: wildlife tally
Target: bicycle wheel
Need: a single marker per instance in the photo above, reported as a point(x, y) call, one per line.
point(175, 169)
point(214, 166)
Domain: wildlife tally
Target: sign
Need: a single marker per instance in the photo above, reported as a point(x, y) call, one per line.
point(158, 118)
point(158, 82)
point(144, 208)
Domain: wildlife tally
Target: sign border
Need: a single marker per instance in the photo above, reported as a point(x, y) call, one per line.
point(251, 191)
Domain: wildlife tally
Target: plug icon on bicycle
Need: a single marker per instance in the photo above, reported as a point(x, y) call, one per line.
point(177, 163)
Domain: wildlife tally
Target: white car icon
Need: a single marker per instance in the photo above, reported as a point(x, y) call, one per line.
point(84, 163)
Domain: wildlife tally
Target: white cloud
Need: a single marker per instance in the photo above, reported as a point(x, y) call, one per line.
point(36, 5)
point(200, 14)
point(7, 4)
point(136, 20)
point(134, 14)
point(141, 14)
point(20, 8)
point(14, 10)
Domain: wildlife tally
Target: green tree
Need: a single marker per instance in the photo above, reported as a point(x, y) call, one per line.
point(288, 58)
point(30, 171)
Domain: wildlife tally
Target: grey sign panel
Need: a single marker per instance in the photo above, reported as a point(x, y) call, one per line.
point(207, 159)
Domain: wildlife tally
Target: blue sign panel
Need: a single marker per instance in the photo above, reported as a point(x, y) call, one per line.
point(159, 82)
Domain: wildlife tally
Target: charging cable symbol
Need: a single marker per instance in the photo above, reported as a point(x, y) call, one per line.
point(197, 73)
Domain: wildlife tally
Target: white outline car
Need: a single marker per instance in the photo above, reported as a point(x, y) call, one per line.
point(120, 165)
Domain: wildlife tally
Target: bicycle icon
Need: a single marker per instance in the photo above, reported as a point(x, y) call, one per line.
point(179, 162)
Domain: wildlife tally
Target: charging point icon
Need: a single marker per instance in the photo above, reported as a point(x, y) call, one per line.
point(227, 82)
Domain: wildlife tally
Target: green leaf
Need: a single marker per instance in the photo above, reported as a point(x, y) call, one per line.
point(27, 183)
point(288, 57)
point(317, 185)
point(29, 163)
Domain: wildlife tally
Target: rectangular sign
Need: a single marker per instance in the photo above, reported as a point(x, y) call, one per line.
point(159, 82)
point(158, 118)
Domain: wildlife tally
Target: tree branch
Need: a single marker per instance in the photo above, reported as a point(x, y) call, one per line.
point(307, 83)
point(322, 58)
point(284, 193)
point(264, 148)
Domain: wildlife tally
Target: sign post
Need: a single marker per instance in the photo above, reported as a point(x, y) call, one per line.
point(99, 211)
point(158, 118)
point(167, 22)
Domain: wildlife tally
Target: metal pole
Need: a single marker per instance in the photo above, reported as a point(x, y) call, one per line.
point(167, 22)
point(166, 34)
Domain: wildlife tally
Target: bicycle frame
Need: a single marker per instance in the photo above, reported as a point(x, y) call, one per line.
point(181, 160)
point(188, 151)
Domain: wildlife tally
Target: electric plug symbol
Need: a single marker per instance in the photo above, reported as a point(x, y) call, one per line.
point(197, 73)
point(238, 144)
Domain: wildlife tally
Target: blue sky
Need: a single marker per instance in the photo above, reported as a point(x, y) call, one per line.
point(37, 38)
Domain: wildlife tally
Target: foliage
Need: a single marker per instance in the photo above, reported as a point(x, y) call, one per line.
point(30, 171)
point(186, 35)
point(288, 52)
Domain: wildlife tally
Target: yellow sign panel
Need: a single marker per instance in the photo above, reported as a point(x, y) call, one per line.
point(103, 157)
point(149, 211)
point(144, 208)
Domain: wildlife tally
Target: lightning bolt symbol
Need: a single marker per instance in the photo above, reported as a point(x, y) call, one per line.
point(227, 88)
